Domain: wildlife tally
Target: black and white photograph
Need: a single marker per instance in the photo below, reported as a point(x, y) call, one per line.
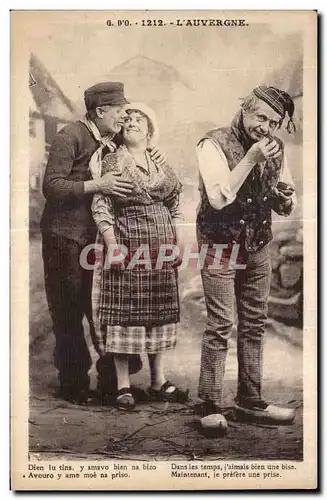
point(170, 190)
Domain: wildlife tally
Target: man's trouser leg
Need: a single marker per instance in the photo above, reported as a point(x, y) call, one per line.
point(218, 285)
point(66, 290)
point(252, 290)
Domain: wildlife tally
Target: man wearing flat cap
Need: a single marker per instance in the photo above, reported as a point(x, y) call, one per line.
point(67, 227)
point(243, 176)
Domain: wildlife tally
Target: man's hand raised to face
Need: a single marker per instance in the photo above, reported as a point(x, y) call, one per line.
point(262, 150)
point(113, 184)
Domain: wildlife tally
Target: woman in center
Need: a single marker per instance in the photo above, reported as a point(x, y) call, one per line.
point(138, 306)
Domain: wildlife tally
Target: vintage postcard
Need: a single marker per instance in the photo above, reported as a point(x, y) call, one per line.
point(163, 246)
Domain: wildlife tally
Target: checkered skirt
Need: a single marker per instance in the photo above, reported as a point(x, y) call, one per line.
point(139, 339)
point(137, 309)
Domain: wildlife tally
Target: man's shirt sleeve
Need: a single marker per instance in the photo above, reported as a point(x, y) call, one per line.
point(214, 171)
point(280, 207)
point(286, 177)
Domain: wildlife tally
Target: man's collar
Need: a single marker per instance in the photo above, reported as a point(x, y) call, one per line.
point(93, 129)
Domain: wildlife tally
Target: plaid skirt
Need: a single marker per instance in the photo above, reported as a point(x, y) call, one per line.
point(130, 304)
point(139, 339)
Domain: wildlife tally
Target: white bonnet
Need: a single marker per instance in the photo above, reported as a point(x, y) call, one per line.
point(146, 110)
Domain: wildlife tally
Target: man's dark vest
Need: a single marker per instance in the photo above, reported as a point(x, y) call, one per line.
point(247, 220)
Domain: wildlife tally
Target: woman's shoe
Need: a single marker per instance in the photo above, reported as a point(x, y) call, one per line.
point(175, 396)
point(125, 400)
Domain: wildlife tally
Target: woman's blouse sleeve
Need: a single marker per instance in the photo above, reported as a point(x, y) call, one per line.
point(102, 206)
point(174, 206)
point(103, 212)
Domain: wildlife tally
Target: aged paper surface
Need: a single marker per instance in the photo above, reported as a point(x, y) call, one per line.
point(192, 68)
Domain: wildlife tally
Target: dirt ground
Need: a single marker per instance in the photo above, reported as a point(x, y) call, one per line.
point(161, 431)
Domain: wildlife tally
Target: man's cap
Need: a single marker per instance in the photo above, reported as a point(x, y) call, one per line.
point(279, 101)
point(106, 93)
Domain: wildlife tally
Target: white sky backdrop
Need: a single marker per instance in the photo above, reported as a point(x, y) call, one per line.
point(221, 64)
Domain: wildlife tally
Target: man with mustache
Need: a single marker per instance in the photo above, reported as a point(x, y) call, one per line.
point(243, 176)
point(67, 227)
